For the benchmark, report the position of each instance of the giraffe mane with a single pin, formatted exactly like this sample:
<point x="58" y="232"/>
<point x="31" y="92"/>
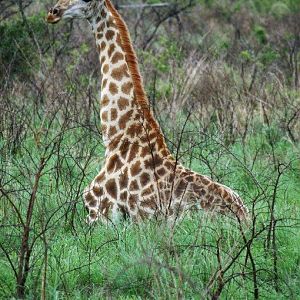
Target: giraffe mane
<point x="131" y="59"/>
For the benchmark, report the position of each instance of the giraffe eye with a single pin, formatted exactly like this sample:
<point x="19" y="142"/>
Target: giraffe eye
<point x="86" y="0"/>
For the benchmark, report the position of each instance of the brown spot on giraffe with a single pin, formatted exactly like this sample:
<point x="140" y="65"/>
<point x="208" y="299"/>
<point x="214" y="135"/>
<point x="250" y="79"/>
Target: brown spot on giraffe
<point x="111" y="49"/>
<point x="204" y="180"/>
<point x="113" y="144"/>
<point x="190" y="178"/>
<point x="224" y="194"/>
<point x="205" y="204"/>
<point x="111" y="188"/>
<point x="123" y="103"/>
<point x="104" y="82"/>
<point x="133" y="152"/>
<point x="161" y="172"/>
<point x="152" y="136"/>
<point x="105" y="206"/>
<point x="89" y="197"/>
<point x="109" y="35"/>
<point x="149" y="203"/>
<point x="93" y="203"/>
<point x="113" y="88"/>
<point x="157" y="160"/>
<point x="98" y="191"/>
<point x="202" y="192"/>
<point x="123" y="179"/>
<point x="100" y="178"/>
<point x="116" y="57"/>
<point x="120" y="72"/>
<point x="104" y="116"/>
<point x="127" y="87"/>
<point x="105" y="68"/>
<point x="133" y="199"/>
<point x="123" y="196"/>
<point x="98" y="19"/>
<point x="153" y="162"/>
<point x="90" y="200"/>
<point x="124" y="119"/>
<point x="135" y="168"/>
<point x="93" y="214"/>
<point x="180" y="189"/>
<point x="112" y="131"/>
<point x="103" y="14"/>
<point x="103" y="129"/>
<point x="211" y="186"/>
<point x="113" y="114"/>
<point x="134" y="186"/>
<point x="134" y="130"/>
<point x="114" y="163"/>
<point x="148" y="163"/>
<point x="161" y="145"/>
<point x="147" y="191"/>
<point x="105" y="100"/>
<point x="144" y="179"/>
<point x="170" y="166"/>
<point x="144" y="151"/>
<point x="124" y="147"/>
<point x="101" y="27"/>
<point x="102" y="46"/>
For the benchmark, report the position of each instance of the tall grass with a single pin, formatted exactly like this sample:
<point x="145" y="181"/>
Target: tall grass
<point x="201" y="257"/>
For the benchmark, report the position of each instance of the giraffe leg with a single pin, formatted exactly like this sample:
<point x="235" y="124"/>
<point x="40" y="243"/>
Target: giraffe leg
<point x="97" y="206"/>
<point x="195" y="190"/>
<point x="101" y="208"/>
<point x="218" y="198"/>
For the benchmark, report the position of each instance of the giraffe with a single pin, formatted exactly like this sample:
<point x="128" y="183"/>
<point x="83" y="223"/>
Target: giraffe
<point x="140" y="178"/>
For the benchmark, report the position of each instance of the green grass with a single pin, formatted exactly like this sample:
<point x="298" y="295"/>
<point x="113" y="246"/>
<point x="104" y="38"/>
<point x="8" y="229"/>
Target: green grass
<point x="149" y="260"/>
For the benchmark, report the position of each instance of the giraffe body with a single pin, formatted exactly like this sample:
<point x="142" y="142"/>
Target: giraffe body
<point x="140" y="178"/>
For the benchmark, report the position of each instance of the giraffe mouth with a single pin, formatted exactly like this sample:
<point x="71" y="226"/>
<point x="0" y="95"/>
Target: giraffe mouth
<point x="55" y="14"/>
<point x="52" y="19"/>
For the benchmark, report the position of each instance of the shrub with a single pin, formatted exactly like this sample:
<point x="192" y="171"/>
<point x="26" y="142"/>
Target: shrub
<point x="18" y="52"/>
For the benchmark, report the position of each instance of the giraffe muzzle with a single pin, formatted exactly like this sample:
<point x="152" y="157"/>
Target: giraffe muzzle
<point x="54" y="15"/>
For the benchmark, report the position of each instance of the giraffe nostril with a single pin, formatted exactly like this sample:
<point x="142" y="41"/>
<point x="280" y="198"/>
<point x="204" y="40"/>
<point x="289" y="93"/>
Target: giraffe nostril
<point x="55" y="11"/>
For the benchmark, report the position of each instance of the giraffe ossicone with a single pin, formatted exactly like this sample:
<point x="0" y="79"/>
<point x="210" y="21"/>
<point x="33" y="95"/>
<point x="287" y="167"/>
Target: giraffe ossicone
<point x="140" y="178"/>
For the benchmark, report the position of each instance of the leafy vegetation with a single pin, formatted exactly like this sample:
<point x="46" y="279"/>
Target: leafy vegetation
<point x="17" y="41"/>
<point x="223" y="80"/>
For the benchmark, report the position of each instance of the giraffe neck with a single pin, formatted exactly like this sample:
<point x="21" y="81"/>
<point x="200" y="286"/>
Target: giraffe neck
<point x="124" y="105"/>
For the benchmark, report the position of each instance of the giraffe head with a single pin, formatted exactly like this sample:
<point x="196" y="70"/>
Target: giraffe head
<point x="72" y="9"/>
